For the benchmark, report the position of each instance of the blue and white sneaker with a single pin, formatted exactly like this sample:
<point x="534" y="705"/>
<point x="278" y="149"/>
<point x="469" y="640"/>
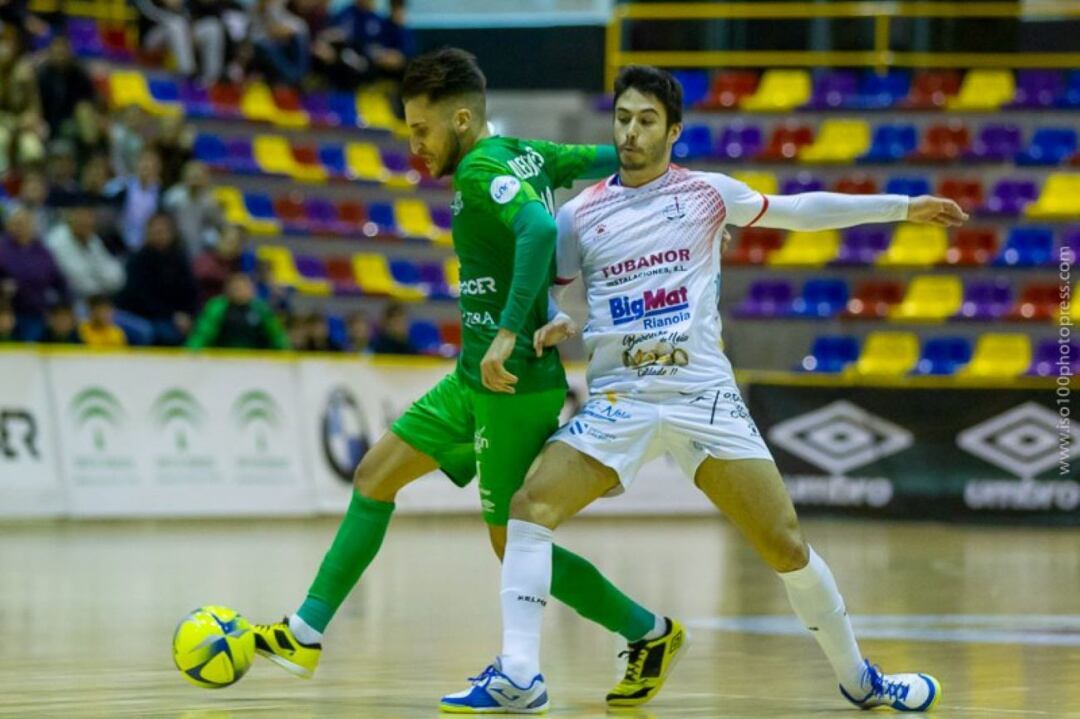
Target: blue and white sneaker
<point x="495" y="693"/>
<point x="902" y="692"/>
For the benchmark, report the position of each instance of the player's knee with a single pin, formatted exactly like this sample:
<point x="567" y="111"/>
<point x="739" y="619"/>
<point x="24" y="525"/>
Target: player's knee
<point x="789" y="551"/>
<point x="369" y="482"/>
<point x="530" y="506"/>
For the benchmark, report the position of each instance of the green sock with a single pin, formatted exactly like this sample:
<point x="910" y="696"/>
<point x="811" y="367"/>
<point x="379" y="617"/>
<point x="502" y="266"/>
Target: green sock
<point x="582" y="587"/>
<point x="356" y="544"/>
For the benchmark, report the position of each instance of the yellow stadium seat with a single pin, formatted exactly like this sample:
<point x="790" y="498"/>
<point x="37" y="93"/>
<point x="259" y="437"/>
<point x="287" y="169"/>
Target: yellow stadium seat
<point x="283" y="271"/>
<point x="274" y="155"/>
<point x="1060" y="197"/>
<point x="128" y="88"/>
<point x="984" y="90"/>
<point x="763" y="182"/>
<point x="931" y="297"/>
<point x="374" y="109"/>
<point x="779" y="90"/>
<point x="807" y="249"/>
<point x="365" y="163"/>
<point x="999" y="355"/>
<point x="414" y="218"/>
<point x="258" y="104"/>
<point x="915" y="246"/>
<point x="236" y="213"/>
<point x="452" y="273"/>
<point x="373" y="277"/>
<point x="888" y="353"/>
<point x="838" y="141"/>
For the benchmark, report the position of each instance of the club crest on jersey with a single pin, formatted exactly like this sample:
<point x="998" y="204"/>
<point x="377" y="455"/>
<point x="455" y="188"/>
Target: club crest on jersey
<point x="658" y="308"/>
<point x="457" y="205"/>
<point x="675" y="211"/>
<point x="504" y="188"/>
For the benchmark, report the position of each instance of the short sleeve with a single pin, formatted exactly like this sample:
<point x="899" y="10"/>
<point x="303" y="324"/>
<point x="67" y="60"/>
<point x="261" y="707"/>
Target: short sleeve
<point x="744" y="205"/>
<point x="567" y="248"/>
<point x="564" y="163"/>
<point x="488" y="184"/>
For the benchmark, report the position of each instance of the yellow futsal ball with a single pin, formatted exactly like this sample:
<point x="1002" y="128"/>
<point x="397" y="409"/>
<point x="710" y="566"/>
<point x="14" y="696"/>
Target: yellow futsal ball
<point x="213" y="647"/>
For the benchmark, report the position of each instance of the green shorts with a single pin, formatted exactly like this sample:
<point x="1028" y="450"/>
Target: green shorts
<point x="493" y="436"/>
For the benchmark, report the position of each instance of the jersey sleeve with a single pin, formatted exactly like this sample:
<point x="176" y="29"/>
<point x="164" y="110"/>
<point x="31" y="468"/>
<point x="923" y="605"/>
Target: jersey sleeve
<point x="486" y="182"/>
<point x="567" y="247"/>
<point x="744" y="205"/>
<point x="565" y="163"/>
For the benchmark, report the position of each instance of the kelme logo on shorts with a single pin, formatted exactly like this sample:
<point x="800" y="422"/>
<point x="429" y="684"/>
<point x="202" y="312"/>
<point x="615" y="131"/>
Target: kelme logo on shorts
<point x="504" y="188"/>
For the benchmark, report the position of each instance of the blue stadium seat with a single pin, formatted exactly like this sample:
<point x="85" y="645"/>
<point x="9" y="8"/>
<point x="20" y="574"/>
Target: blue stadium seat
<point x="912" y="186"/>
<point x="695" y="142"/>
<point x="821" y="298"/>
<point x="259" y="205"/>
<point x="943" y="356"/>
<point x="1049" y="146"/>
<point x="425" y="337"/>
<point x="382" y="214"/>
<point x="405" y="271"/>
<point x="164" y="90"/>
<point x="877" y="92"/>
<point x="695" y="85"/>
<point x="339" y="331"/>
<point x="211" y="150"/>
<point x="332" y="157"/>
<point x="831" y="353"/>
<point x="891" y="143"/>
<point x="343" y="104"/>
<point x="1029" y="246"/>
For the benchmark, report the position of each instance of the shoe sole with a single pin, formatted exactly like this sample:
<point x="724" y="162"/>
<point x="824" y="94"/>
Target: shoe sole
<point x="631" y="703"/>
<point x="456" y="709"/>
<point x="937" y="693"/>
<point x="292" y="668"/>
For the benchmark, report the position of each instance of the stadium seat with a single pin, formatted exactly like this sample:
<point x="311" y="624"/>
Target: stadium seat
<point x="966" y="192"/>
<point x="322" y="217"/>
<point x="1070" y="97"/>
<point x="211" y="150"/>
<point x="451" y="334"/>
<point x="165" y="91"/>
<point x="407" y="273"/>
<point x="739" y="142"/>
<point x="910" y="186"/>
<point x="1038" y="89"/>
<point x="1059" y="199"/>
<point x="803" y="182"/>
<point x="695" y="85"/>
<point x="332" y="158"/>
<point x="289" y="209"/>
<point x="943" y="142"/>
<point x="343" y="106"/>
<point x="452" y="273"/>
<point x="779" y="91"/>
<point x="943" y="356"/>
<point x="832" y="88"/>
<point x="858" y="184"/>
<point x="931" y="89"/>
<point x="317" y="107"/>
<point x="888" y="354"/>
<point x="364" y="162"/>
<point x="972" y="246"/>
<point x="414" y="219"/>
<point x="915" y="246"/>
<point x="999" y="355"/>
<point x="384" y="219"/>
<point x="821" y="299"/>
<point x="831" y="354"/>
<point x="195" y="100"/>
<point x="237" y="213"/>
<point x="240" y="157"/>
<point x="433" y="278"/>
<point x="312" y="271"/>
<point x="1027" y="246"/>
<point x="763" y="182"/>
<point x="874" y="299"/>
<point x="425" y="337"/>
<point x="373" y="110"/>
<point x="767" y="298"/>
<point x="401" y="172"/>
<point x="891" y="143"/>
<point x="988" y="300"/>
<point x="786" y="141"/>
<point x="930" y="298"/>
<point x="694" y="143"/>
<point x="807" y="249"/>
<point x="1048" y="355"/>
<point x="225" y="101"/>
<point x="839" y="141"/>
<point x="129" y="87"/>
<point x="1011" y="197"/>
<point x="1070" y="242"/>
<point x="85" y="38"/>
<point x="984" y="90"/>
<point x="995" y="143"/>
<point x="352" y="214"/>
<point x="339" y="272"/>
<point x="373" y="277"/>
<point x="729" y="88"/>
<point x="257" y="104"/>
<point x="1039" y="301"/>
<point x="753" y="246"/>
<point x="861" y="246"/>
<point x="283" y="271"/>
<point x="878" y="92"/>
<point x="1049" y="146"/>
<point x="274" y="156"/>
<point x="306" y="157"/>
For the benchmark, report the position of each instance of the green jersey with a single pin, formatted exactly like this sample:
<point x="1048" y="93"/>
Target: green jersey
<point x="494" y="181"/>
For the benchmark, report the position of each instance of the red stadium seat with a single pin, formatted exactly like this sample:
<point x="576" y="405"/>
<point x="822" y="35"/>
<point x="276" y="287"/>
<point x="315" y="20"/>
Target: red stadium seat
<point x="1038" y="301"/>
<point x="932" y="88"/>
<point x="967" y="193"/>
<point x="287" y="99"/>
<point x="874" y="299"/>
<point x="225" y="100"/>
<point x="339" y="270"/>
<point x="786" y="141"/>
<point x="753" y="246"/>
<point x="290" y="210"/>
<point x="943" y="143"/>
<point x="728" y="88"/>
<point x="973" y="246"/>
<point x="451" y="333"/>
<point x="857" y="185"/>
<point x="352" y="213"/>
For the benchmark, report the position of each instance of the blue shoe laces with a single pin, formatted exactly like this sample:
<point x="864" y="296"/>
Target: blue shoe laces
<point x="880" y="686"/>
<point x="489" y="672"/>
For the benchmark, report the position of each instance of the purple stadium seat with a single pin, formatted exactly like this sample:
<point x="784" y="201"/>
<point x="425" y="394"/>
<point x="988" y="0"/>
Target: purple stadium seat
<point x="821" y="298"/>
<point x="803" y="182"/>
<point x="832" y="88"/>
<point x="195" y="100"/>
<point x="1038" y="88"/>
<point x="317" y="106"/>
<point x="739" y="142"/>
<point x="1070" y="237"/>
<point x="322" y="217"/>
<point x="995" y="143"/>
<point x="241" y="158"/>
<point x="877" y="92"/>
<point x="1047" y="361"/>
<point x="830" y="353"/>
<point x="441" y="216"/>
<point x="311" y="268"/>
<point x="433" y="277"/>
<point x="862" y="245"/>
<point x="943" y="355"/>
<point x="85" y="37"/>
<point x="767" y="298"/>
<point x="1049" y="146"/>
<point x="988" y="300"/>
<point x="1010" y="197"/>
<point x="396" y="162"/>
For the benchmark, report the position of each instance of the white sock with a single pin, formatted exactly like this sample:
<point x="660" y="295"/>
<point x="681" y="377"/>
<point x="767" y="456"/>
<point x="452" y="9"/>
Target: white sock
<point x="526" y="583"/>
<point x="817" y="602"/>
<point x="303" y="631"/>
<point x="659" y="628"/>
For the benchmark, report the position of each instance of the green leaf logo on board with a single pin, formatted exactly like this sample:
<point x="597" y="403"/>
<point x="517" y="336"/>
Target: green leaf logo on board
<point x="96" y="410"/>
<point x="256" y="410"/>
<point x="177" y="408"/>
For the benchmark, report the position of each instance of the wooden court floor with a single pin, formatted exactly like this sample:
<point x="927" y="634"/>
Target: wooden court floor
<point x="87" y="611"/>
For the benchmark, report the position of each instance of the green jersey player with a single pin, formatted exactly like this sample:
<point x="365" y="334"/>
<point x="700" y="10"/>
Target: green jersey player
<point x="491" y="416"/>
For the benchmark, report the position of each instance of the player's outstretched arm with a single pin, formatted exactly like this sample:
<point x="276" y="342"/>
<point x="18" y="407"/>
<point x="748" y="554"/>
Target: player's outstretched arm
<point x="560" y="326"/>
<point x="833" y="211"/>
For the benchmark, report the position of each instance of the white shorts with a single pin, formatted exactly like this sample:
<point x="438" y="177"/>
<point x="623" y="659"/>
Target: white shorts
<point x="624" y="432"/>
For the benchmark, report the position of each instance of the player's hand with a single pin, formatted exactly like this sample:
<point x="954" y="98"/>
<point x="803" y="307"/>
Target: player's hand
<point x="725" y="241"/>
<point x="558" y="330"/>
<point x="492" y="373"/>
<point x="930" y="210"/>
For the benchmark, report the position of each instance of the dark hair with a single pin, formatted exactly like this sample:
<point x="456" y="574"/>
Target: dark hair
<point x="648" y="80"/>
<point x="392" y="310"/>
<point x="99" y="301"/>
<point x="439" y="74"/>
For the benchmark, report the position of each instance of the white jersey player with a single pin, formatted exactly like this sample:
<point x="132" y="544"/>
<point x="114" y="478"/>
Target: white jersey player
<point x="646" y="243"/>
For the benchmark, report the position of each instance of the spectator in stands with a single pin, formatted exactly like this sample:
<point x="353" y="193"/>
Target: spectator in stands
<point x="126" y="139"/>
<point x="297" y="330"/>
<point x="319" y="338"/>
<point x="238" y="319"/>
<point x="393" y="334"/>
<point x="7" y="321"/>
<point x="174" y="145"/>
<point x="87" y="266"/>
<point x="279" y="41"/>
<point x="60" y="327"/>
<point x="38" y="281"/>
<point x="93" y="182"/>
<point x="139" y="197"/>
<point x="63" y="84"/>
<point x="198" y="214"/>
<point x="359" y="332"/>
<point x="90" y="134"/>
<point x="171" y="23"/>
<point x="160" y="288"/>
<point x="342" y="51"/>
<point x="14" y="14"/>
<point x="22" y="129"/>
<point x="62" y="175"/>
<point x="214" y="265"/>
<point x="99" y="329"/>
<point x="33" y="191"/>
<point x="396" y="43"/>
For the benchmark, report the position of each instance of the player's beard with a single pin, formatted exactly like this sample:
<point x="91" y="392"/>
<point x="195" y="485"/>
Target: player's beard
<point x="453" y="157"/>
<point x="649" y="157"/>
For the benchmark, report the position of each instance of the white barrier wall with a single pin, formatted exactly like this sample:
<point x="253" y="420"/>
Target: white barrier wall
<point x="90" y="434"/>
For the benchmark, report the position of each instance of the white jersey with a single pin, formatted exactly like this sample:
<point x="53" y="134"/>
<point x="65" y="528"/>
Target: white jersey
<point x="650" y="259"/>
